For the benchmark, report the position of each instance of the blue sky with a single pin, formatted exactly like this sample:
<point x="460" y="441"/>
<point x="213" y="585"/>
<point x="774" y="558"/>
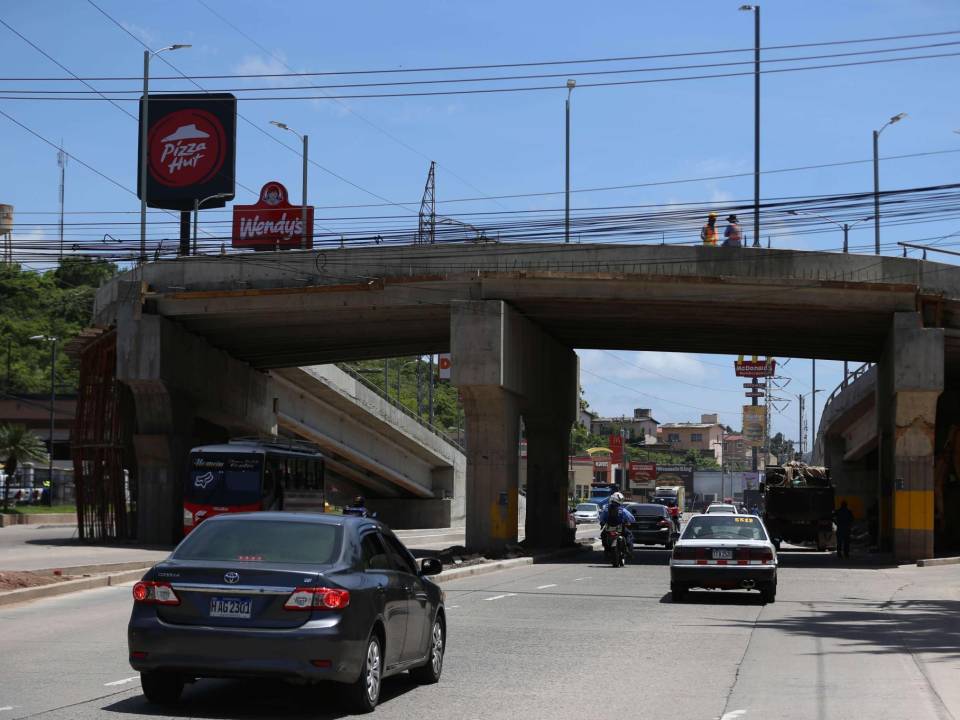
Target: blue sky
<point x="503" y="143"/>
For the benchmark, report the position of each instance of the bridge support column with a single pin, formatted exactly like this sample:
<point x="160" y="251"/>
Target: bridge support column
<point x="175" y="378"/>
<point x="504" y="365"/>
<point x="910" y="381"/>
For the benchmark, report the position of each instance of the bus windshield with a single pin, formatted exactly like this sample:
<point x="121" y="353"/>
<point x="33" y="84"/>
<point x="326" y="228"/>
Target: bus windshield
<point x="224" y="479"/>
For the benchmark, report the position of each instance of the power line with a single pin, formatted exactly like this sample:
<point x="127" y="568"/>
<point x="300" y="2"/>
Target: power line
<point x="493" y="66"/>
<point x="529" y="88"/>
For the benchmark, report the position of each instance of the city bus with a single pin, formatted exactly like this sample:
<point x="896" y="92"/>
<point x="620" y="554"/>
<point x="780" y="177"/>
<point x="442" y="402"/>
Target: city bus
<point x="246" y="475"/>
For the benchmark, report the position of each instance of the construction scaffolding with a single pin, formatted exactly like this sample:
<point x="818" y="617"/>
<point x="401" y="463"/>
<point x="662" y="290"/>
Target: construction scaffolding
<point x="106" y="500"/>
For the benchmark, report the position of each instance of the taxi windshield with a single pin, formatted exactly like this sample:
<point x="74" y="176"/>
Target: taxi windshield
<point x="724" y="527"/>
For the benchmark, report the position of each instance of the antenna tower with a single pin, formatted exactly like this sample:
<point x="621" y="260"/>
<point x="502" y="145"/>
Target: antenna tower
<point x="427" y="230"/>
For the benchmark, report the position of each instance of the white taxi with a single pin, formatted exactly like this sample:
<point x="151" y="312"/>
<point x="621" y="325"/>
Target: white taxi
<point x="727" y="552"/>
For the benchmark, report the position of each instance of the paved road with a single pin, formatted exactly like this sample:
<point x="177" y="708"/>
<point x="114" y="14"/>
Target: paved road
<point x="569" y="640"/>
<point x="26" y="547"/>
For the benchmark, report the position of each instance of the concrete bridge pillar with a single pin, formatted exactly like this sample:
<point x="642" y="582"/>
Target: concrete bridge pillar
<point x="506" y="365"/>
<point x="911" y="377"/>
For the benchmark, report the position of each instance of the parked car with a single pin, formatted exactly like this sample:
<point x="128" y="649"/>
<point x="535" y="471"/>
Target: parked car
<point x="721" y="508"/>
<point x="652" y="524"/>
<point x="724" y="551"/>
<point x="587" y="513"/>
<point x="305" y="597"/>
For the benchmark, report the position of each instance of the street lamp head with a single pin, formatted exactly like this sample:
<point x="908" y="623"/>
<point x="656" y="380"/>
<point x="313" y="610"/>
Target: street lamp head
<point x="747" y="8"/>
<point x="571" y="84"/>
<point x="38" y="337"/>
<point x="897" y="118"/>
<point x="282" y="126"/>
<point x="180" y="46"/>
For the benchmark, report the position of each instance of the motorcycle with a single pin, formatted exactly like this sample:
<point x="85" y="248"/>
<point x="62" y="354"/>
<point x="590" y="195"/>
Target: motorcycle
<point x="614" y="546"/>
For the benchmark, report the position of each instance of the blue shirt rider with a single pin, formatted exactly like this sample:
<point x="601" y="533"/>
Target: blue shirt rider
<point x="626" y="517"/>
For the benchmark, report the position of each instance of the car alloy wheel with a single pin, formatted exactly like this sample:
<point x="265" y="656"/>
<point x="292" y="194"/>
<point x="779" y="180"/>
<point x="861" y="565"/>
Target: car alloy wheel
<point x="436" y="651"/>
<point x="373" y="671"/>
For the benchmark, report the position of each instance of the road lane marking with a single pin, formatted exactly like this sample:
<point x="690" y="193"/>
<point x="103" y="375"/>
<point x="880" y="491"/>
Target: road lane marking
<point x="498" y="597"/>
<point x="544" y="587"/>
<point x="6" y="707"/>
<point x="733" y="714"/>
<point x="122" y="682"/>
<point x="451" y="607"/>
<point x="583" y="578"/>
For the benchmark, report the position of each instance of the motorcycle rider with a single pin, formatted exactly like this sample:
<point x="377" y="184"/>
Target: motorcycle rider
<point x="614" y="515"/>
<point x="359" y="507"/>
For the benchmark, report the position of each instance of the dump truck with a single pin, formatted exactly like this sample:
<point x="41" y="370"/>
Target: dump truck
<point x="798" y="503"/>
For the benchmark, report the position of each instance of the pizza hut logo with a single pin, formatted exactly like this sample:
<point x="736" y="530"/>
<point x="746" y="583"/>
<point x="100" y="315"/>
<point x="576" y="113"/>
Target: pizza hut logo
<point x="187" y="147"/>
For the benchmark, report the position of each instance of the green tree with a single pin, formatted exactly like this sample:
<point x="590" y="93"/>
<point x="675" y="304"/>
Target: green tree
<point x="781" y="448"/>
<point x="581" y="438"/>
<point x="18" y="445"/>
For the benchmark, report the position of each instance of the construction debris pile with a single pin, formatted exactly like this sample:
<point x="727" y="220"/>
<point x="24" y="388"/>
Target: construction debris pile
<point x="797" y="474"/>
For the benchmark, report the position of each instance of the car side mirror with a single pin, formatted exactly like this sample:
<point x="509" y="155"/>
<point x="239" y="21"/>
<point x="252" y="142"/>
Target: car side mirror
<point x="431" y="566"/>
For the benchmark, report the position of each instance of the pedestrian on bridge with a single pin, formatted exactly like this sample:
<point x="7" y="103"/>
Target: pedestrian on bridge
<point x="709" y="232"/>
<point x="732" y="237"/>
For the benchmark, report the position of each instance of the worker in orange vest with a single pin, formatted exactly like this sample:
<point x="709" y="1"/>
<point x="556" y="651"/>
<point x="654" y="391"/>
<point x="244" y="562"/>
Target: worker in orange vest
<point x="709" y="232"/>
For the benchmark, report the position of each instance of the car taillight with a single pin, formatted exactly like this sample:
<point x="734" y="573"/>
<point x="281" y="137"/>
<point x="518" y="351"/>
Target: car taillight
<point x="319" y="598"/>
<point x="154" y="593"/>
<point x="764" y="554"/>
<point x="663" y="523"/>
<point x="187" y="518"/>
<point x="684" y="553"/>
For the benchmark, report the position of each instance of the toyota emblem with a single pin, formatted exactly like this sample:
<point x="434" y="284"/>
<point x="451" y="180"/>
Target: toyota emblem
<point x="232" y="577"/>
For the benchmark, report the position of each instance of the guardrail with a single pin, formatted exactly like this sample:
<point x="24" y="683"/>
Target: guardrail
<point x="399" y="406"/>
<point x="847" y="381"/>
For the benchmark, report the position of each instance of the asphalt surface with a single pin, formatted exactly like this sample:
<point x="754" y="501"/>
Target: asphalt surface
<point x="27" y="547"/>
<point x="576" y="639"/>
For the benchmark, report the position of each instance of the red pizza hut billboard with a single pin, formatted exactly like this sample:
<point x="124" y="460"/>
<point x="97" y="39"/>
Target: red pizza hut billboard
<point x="191" y="149"/>
<point x="272" y="223"/>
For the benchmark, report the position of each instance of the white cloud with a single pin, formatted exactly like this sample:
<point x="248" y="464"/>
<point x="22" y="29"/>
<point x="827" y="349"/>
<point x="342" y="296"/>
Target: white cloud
<point x="259" y="65"/>
<point x="642" y="366"/>
<point x="140" y="32"/>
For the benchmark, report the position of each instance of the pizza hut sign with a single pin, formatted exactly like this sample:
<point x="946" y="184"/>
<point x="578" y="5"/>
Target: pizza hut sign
<point x="191" y="149"/>
<point x="272" y="223"/>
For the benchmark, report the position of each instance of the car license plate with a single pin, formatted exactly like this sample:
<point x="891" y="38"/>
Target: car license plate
<point x="723" y="554"/>
<point x="225" y="607"/>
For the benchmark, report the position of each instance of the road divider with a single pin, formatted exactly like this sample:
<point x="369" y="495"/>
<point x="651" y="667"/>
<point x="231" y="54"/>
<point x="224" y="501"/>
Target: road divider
<point x="112" y="575"/>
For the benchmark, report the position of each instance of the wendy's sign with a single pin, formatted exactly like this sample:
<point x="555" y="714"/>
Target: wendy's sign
<point x="191" y="149"/>
<point x="272" y="223"/>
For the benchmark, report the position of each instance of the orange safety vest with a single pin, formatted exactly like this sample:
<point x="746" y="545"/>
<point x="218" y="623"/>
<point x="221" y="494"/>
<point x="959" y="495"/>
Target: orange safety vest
<point x="709" y="234"/>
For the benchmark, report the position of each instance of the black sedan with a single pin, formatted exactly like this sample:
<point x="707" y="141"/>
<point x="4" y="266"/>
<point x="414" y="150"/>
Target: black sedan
<point x="301" y="597"/>
<point x="652" y="525"/>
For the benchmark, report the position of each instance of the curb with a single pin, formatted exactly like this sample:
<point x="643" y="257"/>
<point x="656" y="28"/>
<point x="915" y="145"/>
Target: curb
<point x="15" y="519"/>
<point x="484" y="568"/>
<point x="931" y="562"/>
<point x="70" y="586"/>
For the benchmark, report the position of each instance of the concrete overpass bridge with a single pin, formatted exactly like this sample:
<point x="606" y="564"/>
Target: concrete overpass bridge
<point x="511" y="315"/>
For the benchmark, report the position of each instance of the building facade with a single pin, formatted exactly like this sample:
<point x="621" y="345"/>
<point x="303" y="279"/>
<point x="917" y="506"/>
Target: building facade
<point x="705" y="436"/>
<point x="640" y="427"/>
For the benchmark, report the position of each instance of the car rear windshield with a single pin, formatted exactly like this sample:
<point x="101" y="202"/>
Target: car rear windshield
<point x="586" y="507"/>
<point x="724" y="527"/>
<point x="647" y="510"/>
<point x="271" y="541"/>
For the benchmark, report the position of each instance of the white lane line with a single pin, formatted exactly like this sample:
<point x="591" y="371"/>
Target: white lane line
<point x="499" y="597"/>
<point x="733" y="714"/>
<point x="583" y="578"/>
<point x="122" y="682"/>
<point x="544" y="587"/>
<point x="6" y="707"/>
<point x="451" y="607"/>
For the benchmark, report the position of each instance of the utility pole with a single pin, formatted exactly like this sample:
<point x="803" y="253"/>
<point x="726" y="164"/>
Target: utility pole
<point x="813" y="402"/>
<point x="62" y="163"/>
<point x="571" y="84"/>
<point x="430" y="392"/>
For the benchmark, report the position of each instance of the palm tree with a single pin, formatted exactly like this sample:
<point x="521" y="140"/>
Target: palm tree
<point x="18" y="445"/>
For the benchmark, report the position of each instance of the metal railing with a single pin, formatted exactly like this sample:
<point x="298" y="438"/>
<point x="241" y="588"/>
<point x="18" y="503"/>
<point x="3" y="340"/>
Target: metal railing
<point x="847" y="381"/>
<point x="398" y="405"/>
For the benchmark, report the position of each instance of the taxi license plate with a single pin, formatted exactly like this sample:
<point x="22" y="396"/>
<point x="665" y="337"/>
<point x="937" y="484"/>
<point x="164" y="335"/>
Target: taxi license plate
<point x="230" y="607"/>
<point x="723" y="554"/>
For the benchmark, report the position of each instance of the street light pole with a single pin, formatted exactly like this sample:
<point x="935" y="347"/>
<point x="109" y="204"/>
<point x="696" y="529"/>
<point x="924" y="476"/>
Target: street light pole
<point x="305" y="140"/>
<point x="876" y="179"/>
<point x="53" y="398"/>
<point x="571" y="84"/>
<point x="197" y="204"/>
<point x="144" y="121"/>
<point x="756" y="120"/>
